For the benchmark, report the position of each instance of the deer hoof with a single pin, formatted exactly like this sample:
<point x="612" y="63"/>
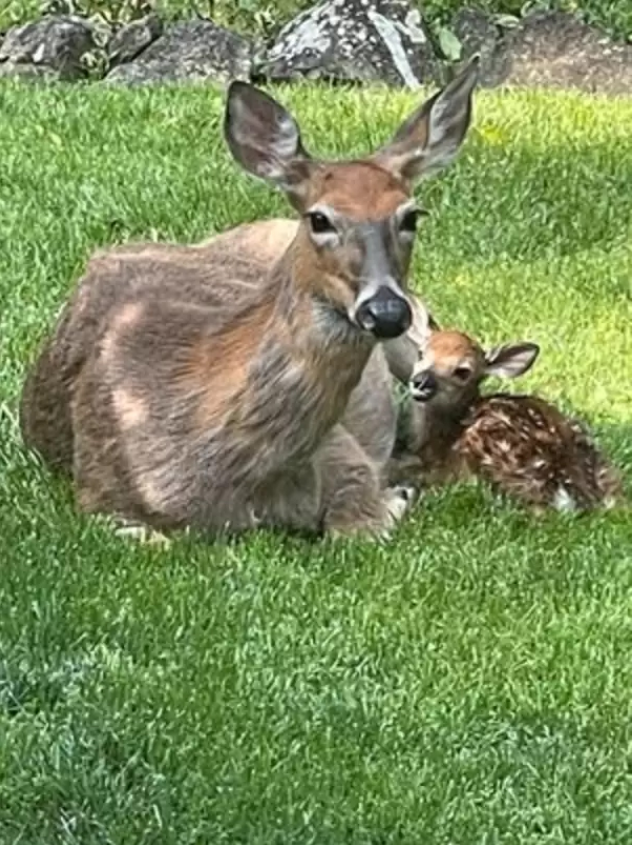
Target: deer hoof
<point x="398" y="500"/>
<point x="129" y="530"/>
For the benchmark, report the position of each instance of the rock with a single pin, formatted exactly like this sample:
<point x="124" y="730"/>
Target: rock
<point x="28" y="71"/>
<point x="555" y="49"/>
<point x="194" y="50"/>
<point x="354" y="40"/>
<point x="133" y="38"/>
<point x="52" y="47"/>
<point x="549" y="50"/>
<point x="478" y="33"/>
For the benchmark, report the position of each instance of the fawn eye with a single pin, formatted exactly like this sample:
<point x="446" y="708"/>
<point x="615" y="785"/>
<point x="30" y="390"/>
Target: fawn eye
<point x="462" y="373"/>
<point x="320" y="223"/>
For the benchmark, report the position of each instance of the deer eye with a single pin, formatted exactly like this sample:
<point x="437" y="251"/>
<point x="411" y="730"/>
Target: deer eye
<point x="320" y="223"/>
<point x="409" y="221"/>
<point x="462" y="373"/>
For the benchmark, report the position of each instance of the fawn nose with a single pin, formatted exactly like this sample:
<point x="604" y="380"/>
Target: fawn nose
<point x="385" y="314"/>
<point x="423" y="386"/>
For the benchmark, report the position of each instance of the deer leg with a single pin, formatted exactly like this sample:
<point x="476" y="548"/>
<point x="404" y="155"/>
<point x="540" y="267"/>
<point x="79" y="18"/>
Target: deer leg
<point x="354" y="500"/>
<point x="136" y="531"/>
<point x="102" y="486"/>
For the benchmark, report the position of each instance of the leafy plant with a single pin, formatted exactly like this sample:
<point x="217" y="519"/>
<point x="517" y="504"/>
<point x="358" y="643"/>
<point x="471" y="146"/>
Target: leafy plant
<point x="450" y="45"/>
<point x="111" y="12"/>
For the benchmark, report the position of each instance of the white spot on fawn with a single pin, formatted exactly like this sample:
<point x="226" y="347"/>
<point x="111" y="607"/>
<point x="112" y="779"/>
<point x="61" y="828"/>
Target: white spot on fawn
<point x="563" y="501"/>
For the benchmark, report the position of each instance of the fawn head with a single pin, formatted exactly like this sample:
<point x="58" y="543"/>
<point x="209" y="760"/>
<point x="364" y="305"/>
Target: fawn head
<point x="452" y="365"/>
<point x="358" y="219"/>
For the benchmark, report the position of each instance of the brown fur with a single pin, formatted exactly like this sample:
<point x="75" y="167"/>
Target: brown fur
<point x="522" y="445"/>
<point x="527" y="448"/>
<point x="46" y="395"/>
<point x="207" y="385"/>
<point x="361" y="190"/>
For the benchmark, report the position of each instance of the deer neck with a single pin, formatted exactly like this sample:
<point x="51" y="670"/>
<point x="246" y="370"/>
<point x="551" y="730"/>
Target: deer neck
<point x="317" y="330"/>
<point x="295" y="362"/>
<point x="435" y="430"/>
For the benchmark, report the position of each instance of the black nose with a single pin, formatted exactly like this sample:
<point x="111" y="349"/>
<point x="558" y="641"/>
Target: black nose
<point x="423" y="386"/>
<point x="385" y="315"/>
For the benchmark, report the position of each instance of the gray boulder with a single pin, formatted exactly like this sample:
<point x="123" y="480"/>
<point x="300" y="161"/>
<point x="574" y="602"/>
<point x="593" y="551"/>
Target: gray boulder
<point x="478" y="33"/>
<point x="549" y="50"/>
<point x="52" y="47"/>
<point x="193" y="50"/>
<point x="131" y="39"/>
<point x="354" y="40"/>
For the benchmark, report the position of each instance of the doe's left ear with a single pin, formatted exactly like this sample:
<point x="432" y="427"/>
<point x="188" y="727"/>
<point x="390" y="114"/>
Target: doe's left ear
<point x="511" y="360"/>
<point x="431" y="137"/>
<point x="423" y="323"/>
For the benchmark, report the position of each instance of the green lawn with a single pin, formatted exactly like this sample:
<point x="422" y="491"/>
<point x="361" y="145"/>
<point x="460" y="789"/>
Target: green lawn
<point x="470" y="683"/>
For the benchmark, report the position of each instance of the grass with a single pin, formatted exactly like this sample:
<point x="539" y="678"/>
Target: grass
<point x="470" y="682"/>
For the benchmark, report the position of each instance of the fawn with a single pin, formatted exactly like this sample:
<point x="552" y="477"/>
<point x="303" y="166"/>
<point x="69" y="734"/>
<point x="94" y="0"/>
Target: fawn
<point x="191" y="386"/>
<point x="522" y="445"/>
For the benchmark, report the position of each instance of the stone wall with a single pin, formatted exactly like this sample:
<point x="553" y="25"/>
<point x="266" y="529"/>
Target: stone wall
<point x="350" y="41"/>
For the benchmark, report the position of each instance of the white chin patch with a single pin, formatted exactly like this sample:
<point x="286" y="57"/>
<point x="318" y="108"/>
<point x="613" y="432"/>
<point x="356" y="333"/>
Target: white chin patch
<point x="420" y="395"/>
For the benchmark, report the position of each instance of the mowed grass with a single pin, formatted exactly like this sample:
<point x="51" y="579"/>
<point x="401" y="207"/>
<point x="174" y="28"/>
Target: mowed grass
<point x="469" y="683"/>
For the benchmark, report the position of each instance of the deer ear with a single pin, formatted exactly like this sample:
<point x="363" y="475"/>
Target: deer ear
<point x="431" y="137"/>
<point x="511" y="360"/>
<point x="264" y="138"/>
<point x="423" y="323"/>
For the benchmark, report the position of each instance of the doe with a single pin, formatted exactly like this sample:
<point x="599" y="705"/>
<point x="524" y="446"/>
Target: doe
<point x="178" y="392"/>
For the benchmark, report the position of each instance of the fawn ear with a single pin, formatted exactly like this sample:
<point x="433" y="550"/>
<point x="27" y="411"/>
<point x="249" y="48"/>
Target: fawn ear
<point x="431" y="137"/>
<point x="511" y="360"/>
<point x="423" y="323"/>
<point x="264" y="138"/>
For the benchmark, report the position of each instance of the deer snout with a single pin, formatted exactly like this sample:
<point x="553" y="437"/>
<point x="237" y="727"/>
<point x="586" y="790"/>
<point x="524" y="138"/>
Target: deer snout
<point x="423" y="386"/>
<point x="386" y="314"/>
